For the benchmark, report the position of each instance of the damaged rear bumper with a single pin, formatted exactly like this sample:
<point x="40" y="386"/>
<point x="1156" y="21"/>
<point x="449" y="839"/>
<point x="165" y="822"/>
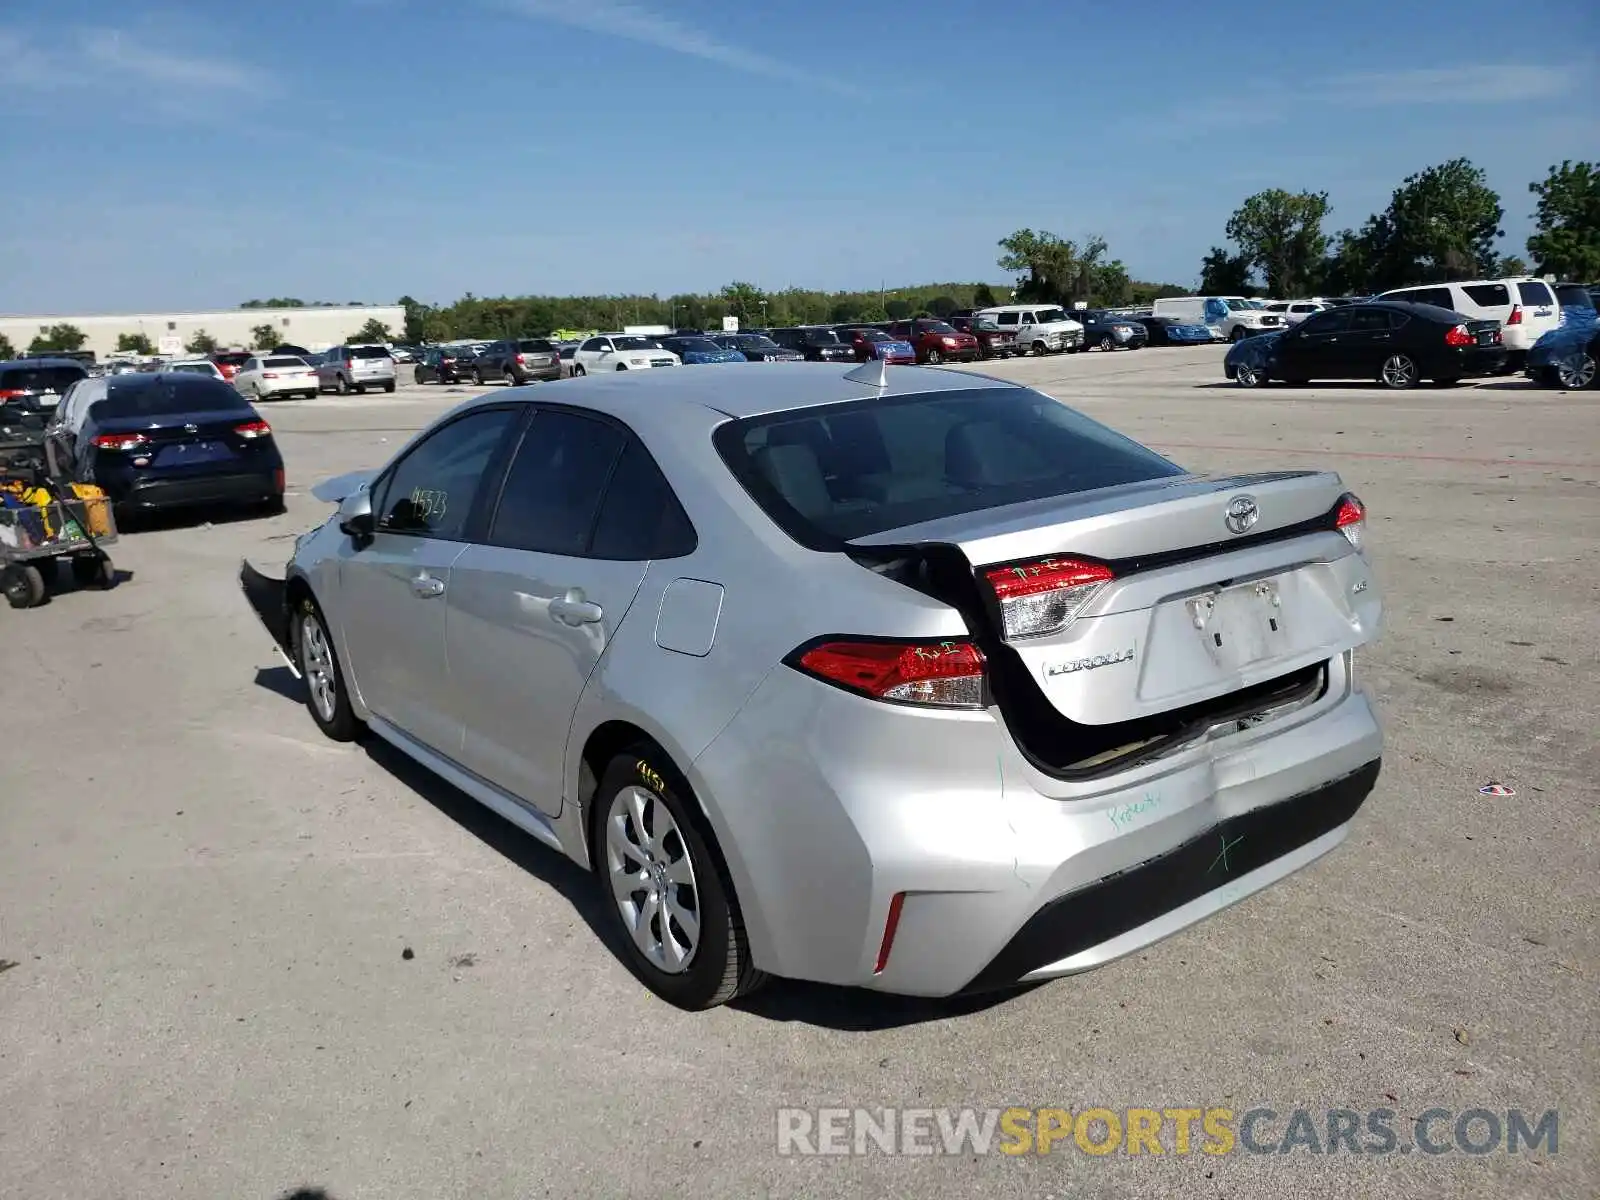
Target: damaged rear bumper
<point x="269" y="599"/>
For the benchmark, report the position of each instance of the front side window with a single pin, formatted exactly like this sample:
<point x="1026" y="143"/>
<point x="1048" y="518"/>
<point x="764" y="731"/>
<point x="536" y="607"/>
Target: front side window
<point x="431" y="491"/>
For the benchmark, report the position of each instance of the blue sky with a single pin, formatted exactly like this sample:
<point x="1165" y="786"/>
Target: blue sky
<point x="196" y="154"/>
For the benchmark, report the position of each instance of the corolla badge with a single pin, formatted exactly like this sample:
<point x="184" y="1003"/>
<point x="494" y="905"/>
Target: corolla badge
<point x="1088" y="664"/>
<point x="1242" y="514"/>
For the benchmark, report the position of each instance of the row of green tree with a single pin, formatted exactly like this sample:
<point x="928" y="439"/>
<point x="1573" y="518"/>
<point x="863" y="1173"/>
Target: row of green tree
<point x="1441" y="224"/>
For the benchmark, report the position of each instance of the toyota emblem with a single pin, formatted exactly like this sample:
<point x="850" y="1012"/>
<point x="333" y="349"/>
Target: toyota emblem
<point x="1242" y="514"/>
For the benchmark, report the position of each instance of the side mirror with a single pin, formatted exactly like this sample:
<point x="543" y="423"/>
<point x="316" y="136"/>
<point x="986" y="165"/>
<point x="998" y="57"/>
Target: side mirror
<point x="355" y="515"/>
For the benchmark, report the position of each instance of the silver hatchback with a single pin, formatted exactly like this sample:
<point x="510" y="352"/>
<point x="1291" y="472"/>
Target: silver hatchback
<point x="895" y="677"/>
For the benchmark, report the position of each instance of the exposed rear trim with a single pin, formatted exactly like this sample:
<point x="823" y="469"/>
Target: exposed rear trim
<point x="1104" y="910"/>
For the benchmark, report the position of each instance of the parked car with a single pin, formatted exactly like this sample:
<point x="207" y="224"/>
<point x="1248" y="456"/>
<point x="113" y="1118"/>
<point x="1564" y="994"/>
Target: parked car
<point x="36" y="385"/>
<point x="1398" y="344"/>
<point x="1295" y="311"/>
<point x="402" y="353"/>
<point x="992" y="620"/>
<point x="1577" y="304"/>
<point x="439" y="364"/>
<point x="297" y="351"/>
<point x="1170" y="331"/>
<point x="1111" y="331"/>
<point x="993" y="342"/>
<point x="621" y="352"/>
<point x="518" y="361"/>
<point x="757" y="347"/>
<point x="695" y="349"/>
<point x="1566" y="357"/>
<point x="1040" y="328"/>
<point x="568" y="358"/>
<point x="936" y="341"/>
<point x="1525" y="308"/>
<point x="1230" y="318"/>
<point x="196" y="366"/>
<point x="347" y="369"/>
<point x="273" y="376"/>
<point x="816" y="342"/>
<point x="229" y="361"/>
<point x="868" y="343"/>
<point x="170" y="440"/>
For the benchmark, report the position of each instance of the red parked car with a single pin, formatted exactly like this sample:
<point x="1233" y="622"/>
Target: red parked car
<point x="872" y="344"/>
<point x="229" y="362"/>
<point x="936" y="341"/>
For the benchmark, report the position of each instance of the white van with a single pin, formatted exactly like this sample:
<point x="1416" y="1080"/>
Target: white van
<point x="1525" y="307"/>
<point x="1041" y="328"/>
<point x="1230" y="318"/>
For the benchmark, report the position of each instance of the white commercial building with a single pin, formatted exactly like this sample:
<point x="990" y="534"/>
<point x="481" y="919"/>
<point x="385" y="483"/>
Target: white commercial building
<point x="232" y="328"/>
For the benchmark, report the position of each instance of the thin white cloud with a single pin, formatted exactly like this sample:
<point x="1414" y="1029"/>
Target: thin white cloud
<point x="1481" y="83"/>
<point x="635" y="23"/>
<point x="118" y="51"/>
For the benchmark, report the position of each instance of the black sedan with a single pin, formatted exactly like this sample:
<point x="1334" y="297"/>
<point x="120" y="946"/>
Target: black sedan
<point x="1395" y="343"/>
<point x="757" y="347"/>
<point x="165" y="441"/>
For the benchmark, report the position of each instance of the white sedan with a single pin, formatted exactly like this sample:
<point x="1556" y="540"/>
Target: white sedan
<point x="267" y="378"/>
<point x="196" y="366"/>
<point x="621" y="352"/>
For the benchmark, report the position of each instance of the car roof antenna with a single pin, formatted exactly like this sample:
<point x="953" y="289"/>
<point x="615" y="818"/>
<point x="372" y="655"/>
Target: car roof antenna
<point x="873" y="373"/>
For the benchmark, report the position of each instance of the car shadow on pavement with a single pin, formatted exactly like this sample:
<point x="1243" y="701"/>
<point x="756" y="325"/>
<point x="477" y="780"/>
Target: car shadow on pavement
<point x="856" y="1010"/>
<point x="281" y="682"/>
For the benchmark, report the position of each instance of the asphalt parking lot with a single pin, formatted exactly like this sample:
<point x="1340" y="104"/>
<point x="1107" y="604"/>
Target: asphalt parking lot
<point x="205" y="908"/>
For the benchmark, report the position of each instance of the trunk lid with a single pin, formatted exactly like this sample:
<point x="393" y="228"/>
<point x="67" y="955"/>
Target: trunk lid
<point x="1216" y="584"/>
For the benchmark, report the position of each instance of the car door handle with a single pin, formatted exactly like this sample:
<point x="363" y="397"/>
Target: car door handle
<point x="426" y="586"/>
<point x="573" y="609"/>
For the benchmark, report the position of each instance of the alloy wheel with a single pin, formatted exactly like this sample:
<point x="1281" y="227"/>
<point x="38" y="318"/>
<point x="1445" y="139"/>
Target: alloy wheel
<point x="1399" y="371"/>
<point x="1577" y="372"/>
<point x="1247" y="376"/>
<point x="1106" y="343"/>
<point x="653" y="879"/>
<point x="317" y="663"/>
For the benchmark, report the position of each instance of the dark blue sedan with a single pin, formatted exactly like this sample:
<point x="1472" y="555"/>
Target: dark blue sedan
<point x="177" y="441"/>
<point x="1170" y="331"/>
<point x="694" y="349"/>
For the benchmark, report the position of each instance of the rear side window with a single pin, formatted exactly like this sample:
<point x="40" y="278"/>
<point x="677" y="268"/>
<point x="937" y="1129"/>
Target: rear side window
<point x="829" y="474"/>
<point x="1488" y="295"/>
<point x="640" y="516"/>
<point x="1534" y="292"/>
<point x="1008" y="318"/>
<point x="553" y="489"/>
<point x="1368" y="320"/>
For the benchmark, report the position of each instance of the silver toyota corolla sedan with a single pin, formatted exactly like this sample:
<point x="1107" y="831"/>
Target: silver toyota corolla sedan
<point x="901" y="678"/>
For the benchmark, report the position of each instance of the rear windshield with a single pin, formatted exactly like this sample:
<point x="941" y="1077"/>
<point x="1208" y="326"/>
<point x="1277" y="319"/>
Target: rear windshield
<point x="368" y="352"/>
<point x="284" y="362"/>
<point x="151" y="398"/>
<point x="39" y="379"/>
<point x="695" y="345"/>
<point x="869" y="335"/>
<point x="754" y="341"/>
<point x="194" y="369"/>
<point x="1572" y="296"/>
<point x="845" y="471"/>
<point x="537" y="345"/>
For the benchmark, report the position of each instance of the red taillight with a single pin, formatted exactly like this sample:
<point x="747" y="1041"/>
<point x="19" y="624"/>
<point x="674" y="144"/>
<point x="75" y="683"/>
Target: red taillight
<point x="269" y="374"/>
<point x="890" y="926"/>
<point x="11" y="393"/>
<point x="522" y="358"/>
<point x="1516" y="315"/>
<point x="1351" y="519"/>
<point x="1045" y="596"/>
<point x="253" y="429"/>
<point x="277" y="481"/>
<point x="941" y="674"/>
<point x="1460" y="336"/>
<point x="120" y="441"/>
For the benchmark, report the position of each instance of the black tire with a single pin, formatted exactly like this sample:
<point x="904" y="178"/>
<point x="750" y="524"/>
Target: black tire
<point x="1238" y="334"/>
<point x="1577" y="374"/>
<point x="342" y="386"/>
<point x="361" y="389"/>
<point x="23" y="585"/>
<point x="578" y="372"/>
<point x="389" y="387"/>
<point x="511" y="378"/>
<point x="1105" y="342"/>
<point x="721" y="967"/>
<point x="1074" y="347"/>
<point x="93" y="570"/>
<point x="1039" y="350"/>
<point x="477" y="377"/>
<point x="341" y="724"/>
<point x="934" y="358"/>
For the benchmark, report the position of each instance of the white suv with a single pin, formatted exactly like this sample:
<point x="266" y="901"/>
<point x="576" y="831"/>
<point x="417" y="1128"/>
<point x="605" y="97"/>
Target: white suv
<point x="621" y="352"/>
<point x="1041" y="328"/>
<point x="1525" y="307"/>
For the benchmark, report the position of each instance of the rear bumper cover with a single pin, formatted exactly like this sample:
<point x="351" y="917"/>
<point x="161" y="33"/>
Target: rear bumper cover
<point x="242" y="487"/>
<point x="1059" y="938"/>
